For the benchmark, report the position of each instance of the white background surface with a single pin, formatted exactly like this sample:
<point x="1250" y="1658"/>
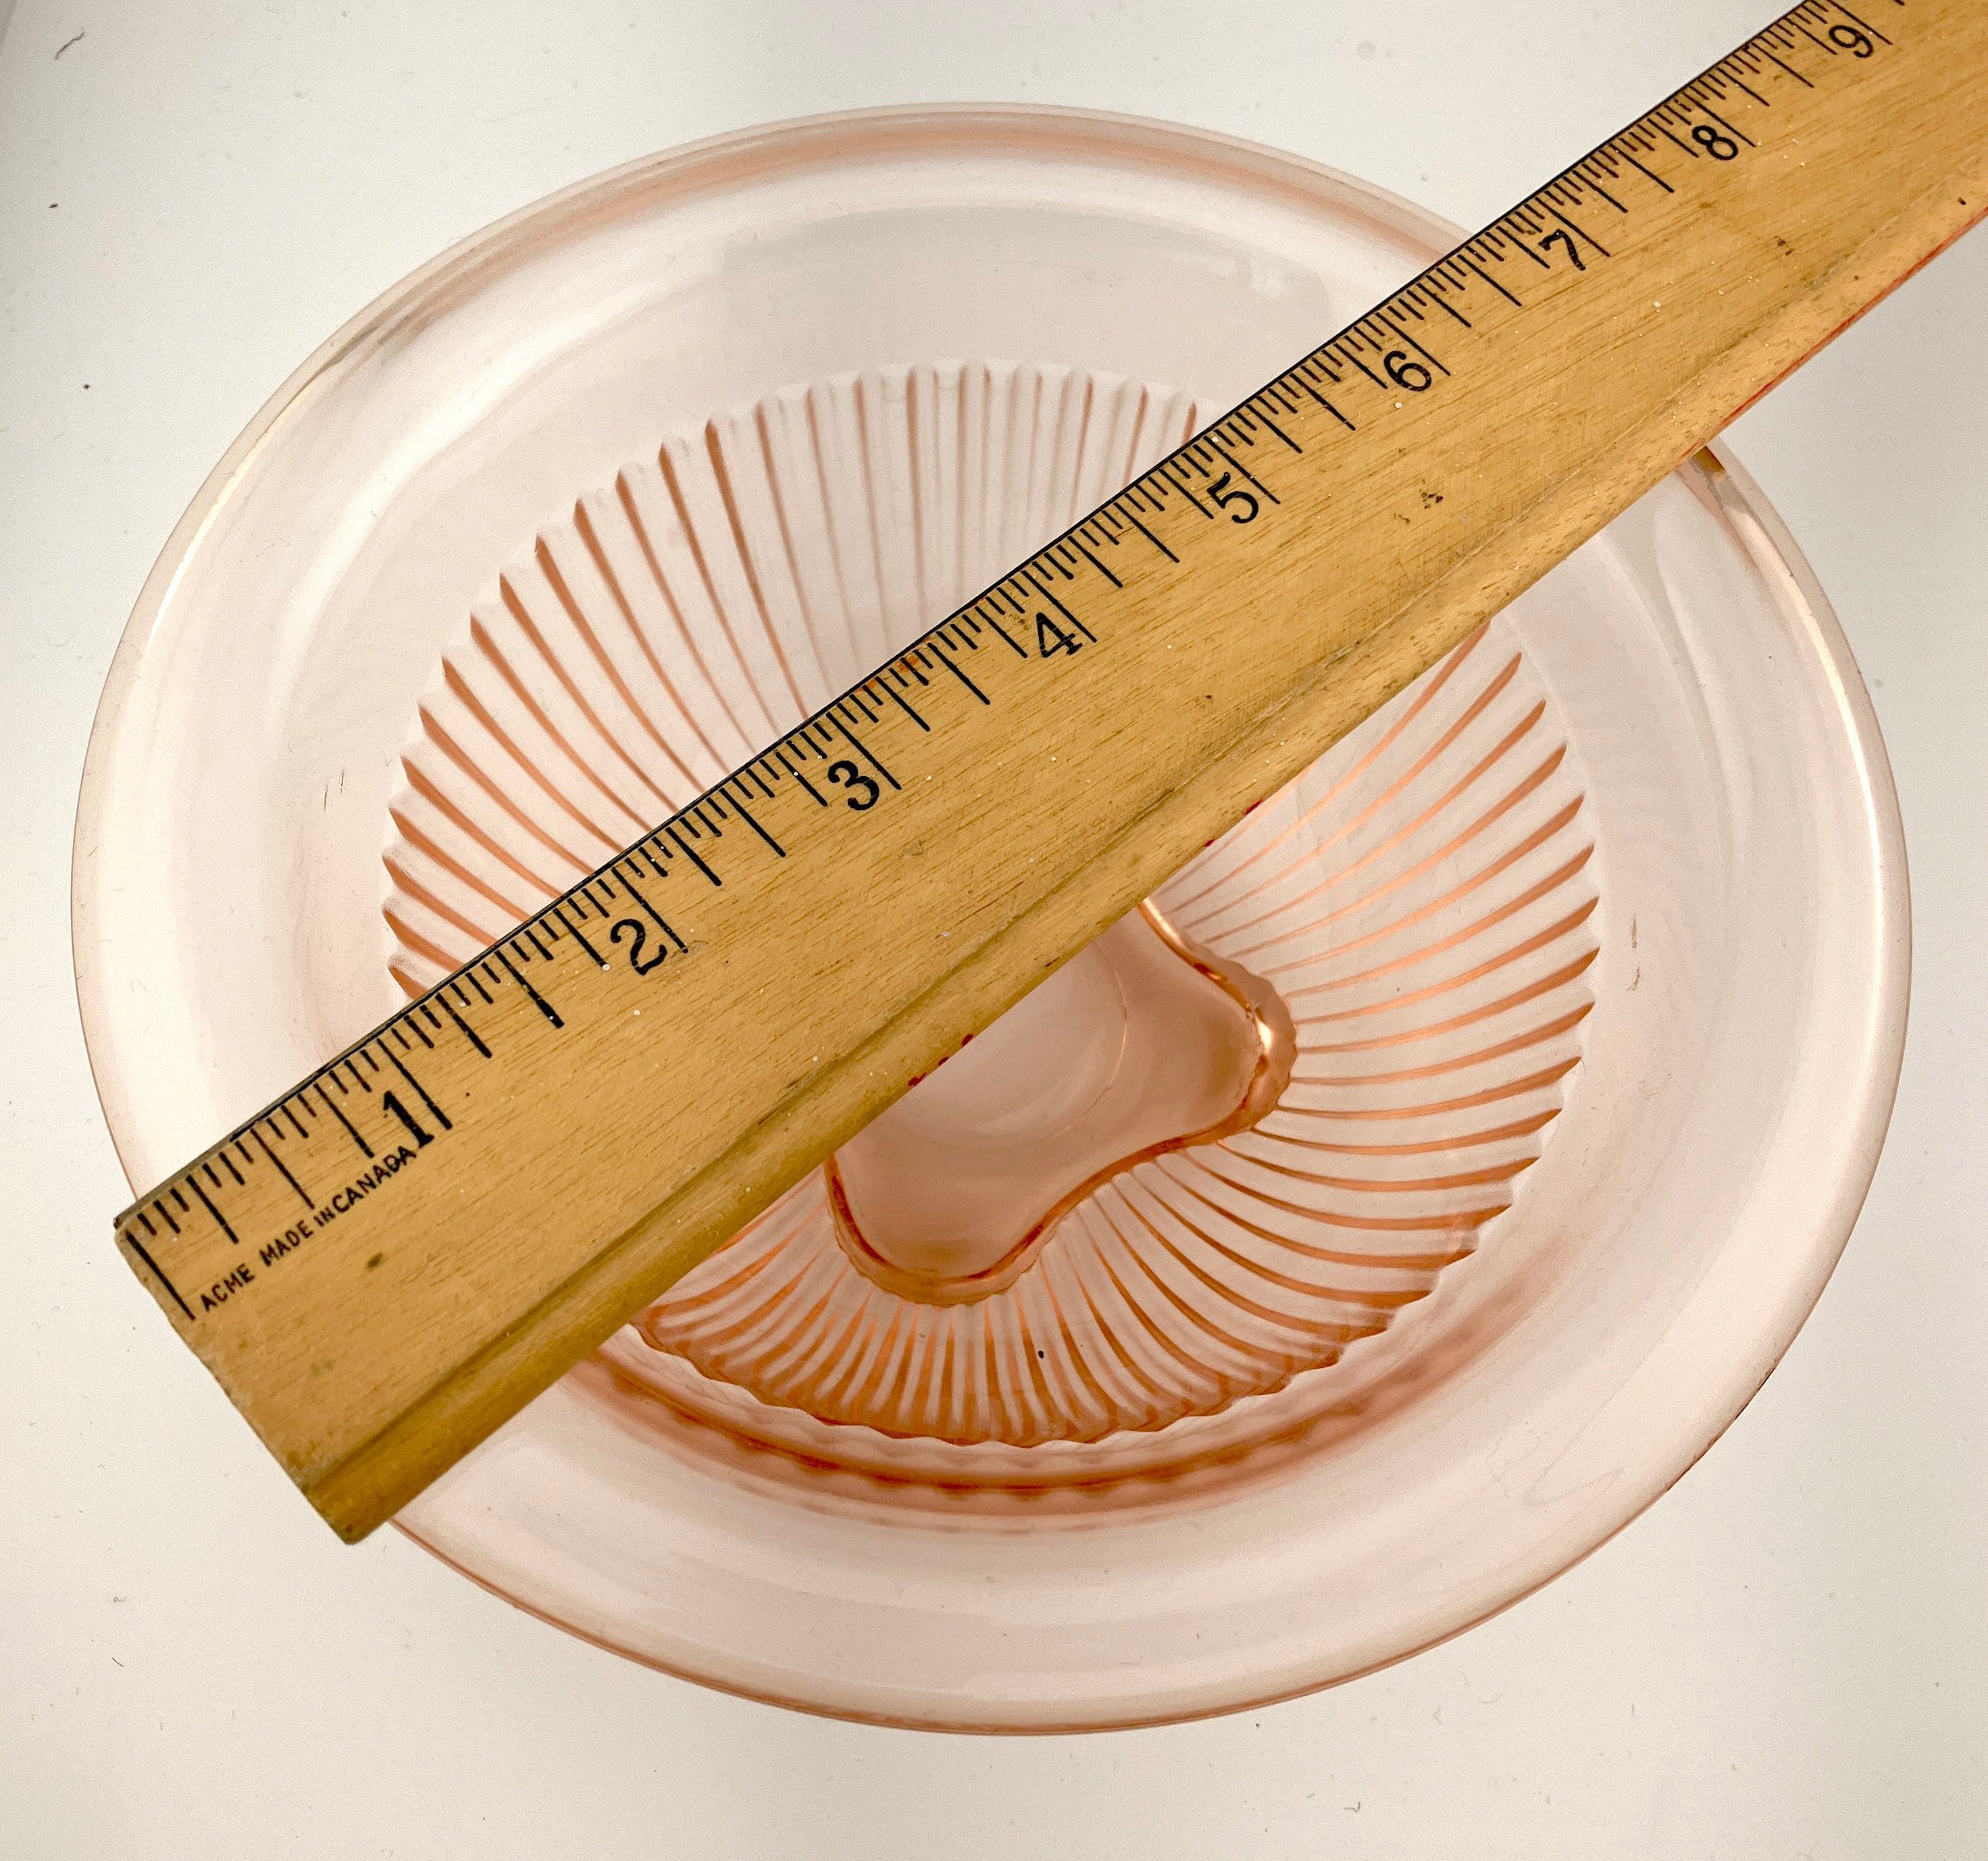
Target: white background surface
<point x="1788" y="1657"/>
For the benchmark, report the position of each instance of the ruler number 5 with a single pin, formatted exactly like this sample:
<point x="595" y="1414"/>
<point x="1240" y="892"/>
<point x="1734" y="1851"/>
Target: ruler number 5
<point x="847" y="775"/>
<point x="1241" y="505"/>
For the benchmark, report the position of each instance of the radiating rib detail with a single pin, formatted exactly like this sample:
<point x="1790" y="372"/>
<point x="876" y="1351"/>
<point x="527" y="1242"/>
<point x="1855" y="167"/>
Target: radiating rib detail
<point x="1421" y="899"/>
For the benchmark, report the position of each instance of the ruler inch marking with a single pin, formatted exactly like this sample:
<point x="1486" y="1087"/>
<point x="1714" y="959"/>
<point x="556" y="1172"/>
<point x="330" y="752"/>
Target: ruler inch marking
<point x="468" y="1033"/>
<point x="684" y="848"/>
<point x="1235" y="465"/>
<point x="441" y="1117"/>
<point x="545" y="1008"/>
<point x="1048" y="596"/>
<point x="574" y="930"/>
<point x="220" y="1219"/>
<point x="263" y="1146"/>
<point x="959" y="673"/>
<point x="138" y="1247"/>
<point x="857" y="744"/>
<point x="1863" y="25"/>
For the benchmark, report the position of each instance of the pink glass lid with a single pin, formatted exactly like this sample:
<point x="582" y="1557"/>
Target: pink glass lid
<point x="1342" y="1246"/>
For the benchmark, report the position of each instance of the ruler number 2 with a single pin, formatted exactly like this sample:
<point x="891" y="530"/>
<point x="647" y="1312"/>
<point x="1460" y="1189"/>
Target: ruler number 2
<point x="641" y="936"/>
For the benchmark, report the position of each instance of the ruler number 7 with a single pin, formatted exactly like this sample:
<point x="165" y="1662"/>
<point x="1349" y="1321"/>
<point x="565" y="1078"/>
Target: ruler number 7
<point x="1557" y="236"/>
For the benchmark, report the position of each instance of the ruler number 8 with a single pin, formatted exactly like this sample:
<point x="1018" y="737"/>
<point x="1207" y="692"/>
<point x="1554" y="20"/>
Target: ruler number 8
<point x="847" y="775"/>
<point x="1720" y="148"/>
<point x="1852" y="41"/>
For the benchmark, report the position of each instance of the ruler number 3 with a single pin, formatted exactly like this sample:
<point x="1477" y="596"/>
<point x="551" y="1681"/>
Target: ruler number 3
<point x="847" y="775"/>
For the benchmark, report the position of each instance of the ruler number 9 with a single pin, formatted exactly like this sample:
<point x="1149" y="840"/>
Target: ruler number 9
<point x="1406" y="374"/>
<point x="1851" y="41"/>
<point x="845" y="774"/>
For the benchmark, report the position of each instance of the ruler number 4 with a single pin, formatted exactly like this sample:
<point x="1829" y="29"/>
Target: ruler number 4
<point x="1052" y="639"/>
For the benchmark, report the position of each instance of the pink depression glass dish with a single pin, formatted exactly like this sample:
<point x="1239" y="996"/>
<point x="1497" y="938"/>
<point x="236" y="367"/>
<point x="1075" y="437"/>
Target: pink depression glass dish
<point x="1346" y="1244"/>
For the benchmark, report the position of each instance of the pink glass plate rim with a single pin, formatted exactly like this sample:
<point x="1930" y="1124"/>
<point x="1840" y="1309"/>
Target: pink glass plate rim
<point x="464" y="268"/>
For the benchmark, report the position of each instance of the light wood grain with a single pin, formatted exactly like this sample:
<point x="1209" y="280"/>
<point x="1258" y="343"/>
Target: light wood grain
<point x="374" y="1315"/>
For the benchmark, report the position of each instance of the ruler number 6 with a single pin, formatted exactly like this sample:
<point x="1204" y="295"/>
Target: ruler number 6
<point x="1405" y="373"/>
<point x="1241" y="505"/>
<point x="1851" y="41"/>
<point x="847" y="775"/>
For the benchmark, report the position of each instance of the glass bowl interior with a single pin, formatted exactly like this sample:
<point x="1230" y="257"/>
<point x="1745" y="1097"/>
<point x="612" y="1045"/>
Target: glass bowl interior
<point x="1342" y="1247"/>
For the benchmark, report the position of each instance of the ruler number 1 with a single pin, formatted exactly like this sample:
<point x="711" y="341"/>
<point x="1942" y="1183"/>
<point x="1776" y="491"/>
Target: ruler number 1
<point x="392" y="1102"/>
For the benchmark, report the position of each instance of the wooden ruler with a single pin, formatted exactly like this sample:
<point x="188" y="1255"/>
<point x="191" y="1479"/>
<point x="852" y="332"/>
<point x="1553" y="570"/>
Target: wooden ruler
<point x="398" y="1254"/>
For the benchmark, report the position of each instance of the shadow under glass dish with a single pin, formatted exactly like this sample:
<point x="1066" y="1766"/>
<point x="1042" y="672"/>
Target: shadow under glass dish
<point x="1344" y="1244"/>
